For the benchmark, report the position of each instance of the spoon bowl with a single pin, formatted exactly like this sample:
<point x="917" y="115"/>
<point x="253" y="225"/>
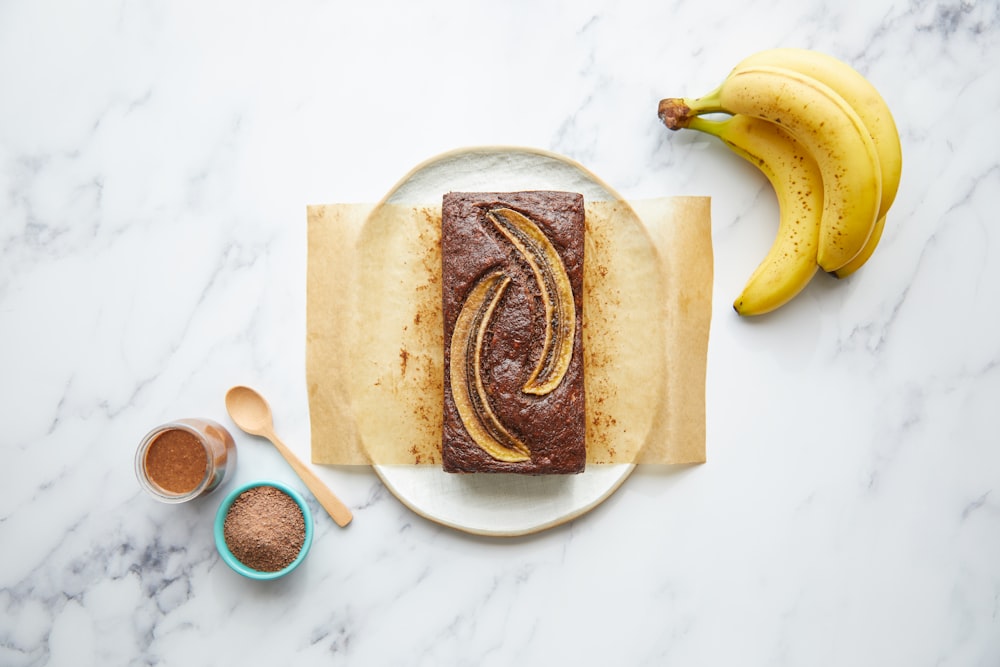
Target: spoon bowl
<point x="251" y="412"/>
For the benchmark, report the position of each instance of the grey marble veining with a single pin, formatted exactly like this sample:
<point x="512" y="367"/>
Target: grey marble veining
<point x="155" y="164"/>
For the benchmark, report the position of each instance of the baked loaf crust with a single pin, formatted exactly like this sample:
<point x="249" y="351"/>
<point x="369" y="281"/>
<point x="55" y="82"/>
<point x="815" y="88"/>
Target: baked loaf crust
<point x="512" y="286"/>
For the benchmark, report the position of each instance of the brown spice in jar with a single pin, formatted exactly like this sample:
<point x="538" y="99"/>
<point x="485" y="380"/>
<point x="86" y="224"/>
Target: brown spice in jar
<point x="264" y="528"/>
<point x="176" y="461"/>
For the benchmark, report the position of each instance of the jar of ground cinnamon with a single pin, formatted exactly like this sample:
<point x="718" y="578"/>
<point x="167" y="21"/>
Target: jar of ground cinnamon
<point x="184" y="459"/>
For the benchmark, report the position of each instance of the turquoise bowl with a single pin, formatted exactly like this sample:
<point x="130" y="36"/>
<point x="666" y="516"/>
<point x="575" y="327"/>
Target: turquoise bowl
<point x="234" y="562"/>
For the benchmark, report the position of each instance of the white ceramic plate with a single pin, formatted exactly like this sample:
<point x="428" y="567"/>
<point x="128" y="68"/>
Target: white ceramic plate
<point x="505" y="504"/>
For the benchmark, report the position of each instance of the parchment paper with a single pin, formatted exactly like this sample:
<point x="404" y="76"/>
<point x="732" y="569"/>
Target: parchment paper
<point x="375" y="343"/>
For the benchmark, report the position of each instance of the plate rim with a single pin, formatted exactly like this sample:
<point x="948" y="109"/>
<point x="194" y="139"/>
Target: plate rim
<point x="496" y="149"/>
<point x="628" y="469"/>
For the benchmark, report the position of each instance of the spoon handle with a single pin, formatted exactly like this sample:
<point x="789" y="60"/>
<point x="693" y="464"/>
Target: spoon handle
<point x="337" y="510"/>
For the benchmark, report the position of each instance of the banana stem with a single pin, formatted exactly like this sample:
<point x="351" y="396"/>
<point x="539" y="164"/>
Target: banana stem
<point x="678" y="112"/>
<point x="674" y="112"/>
<point x="716" y="128"/>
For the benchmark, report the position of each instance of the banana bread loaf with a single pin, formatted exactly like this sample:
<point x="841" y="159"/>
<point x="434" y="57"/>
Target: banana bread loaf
<point x="512" y="284"/>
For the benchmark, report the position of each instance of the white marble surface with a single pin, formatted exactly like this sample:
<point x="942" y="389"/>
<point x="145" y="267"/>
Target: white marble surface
<point x="156" y="159"/>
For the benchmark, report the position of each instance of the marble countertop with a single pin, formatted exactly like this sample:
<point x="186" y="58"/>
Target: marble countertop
<point x="156" y="160"/>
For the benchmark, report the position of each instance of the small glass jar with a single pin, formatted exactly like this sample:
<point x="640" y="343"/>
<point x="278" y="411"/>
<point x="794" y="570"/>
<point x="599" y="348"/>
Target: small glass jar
<point x="185" y="459"/>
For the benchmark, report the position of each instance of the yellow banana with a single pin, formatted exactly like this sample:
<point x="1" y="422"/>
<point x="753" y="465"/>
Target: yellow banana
<point x="827" y="126"/>
<point x="864" y="98"/>
<point x="798" y="184"/>
<point x="866" y="252"/>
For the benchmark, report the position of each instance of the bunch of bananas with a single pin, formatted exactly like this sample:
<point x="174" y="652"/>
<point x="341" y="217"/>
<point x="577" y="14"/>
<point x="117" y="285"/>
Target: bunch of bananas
<point x="825" y="139"/>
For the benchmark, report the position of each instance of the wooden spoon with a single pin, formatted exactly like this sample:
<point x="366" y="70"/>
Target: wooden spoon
<point x="251" y="413"/>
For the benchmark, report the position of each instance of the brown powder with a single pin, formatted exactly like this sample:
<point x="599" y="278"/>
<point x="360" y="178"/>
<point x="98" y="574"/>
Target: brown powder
<point x="264" y="528"/>
<point x="176" y="461"/>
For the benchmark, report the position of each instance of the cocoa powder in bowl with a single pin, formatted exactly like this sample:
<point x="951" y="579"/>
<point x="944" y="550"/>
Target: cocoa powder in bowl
<point x="265" y="528"/>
